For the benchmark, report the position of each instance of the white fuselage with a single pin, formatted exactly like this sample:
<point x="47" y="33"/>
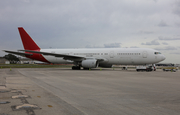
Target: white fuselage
<point x="87" y="58"/>
<point x="125" y="56"/>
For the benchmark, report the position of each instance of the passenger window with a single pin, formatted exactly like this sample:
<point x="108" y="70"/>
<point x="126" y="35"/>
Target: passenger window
<point x="157" y="52"/>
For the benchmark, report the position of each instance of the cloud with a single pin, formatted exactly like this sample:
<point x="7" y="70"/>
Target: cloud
<point x="162" y="24"/>
<point x="93" y="46"/>
<point x="90" y="24"/>
<point x="112" y="45"/>
<point x="165" y="43"/>
<point x="146" y="32"/>
<point x="178" y="53"/>
<point x="177" y="24"/>
<point x="155" y="0"/>
<point x="27" y="1"/>
<point x="109" y="45"/>
<point x="154" y="42"/>
<point x="168" y="38"/>
<point x="177" y="8"/>
<point x="167" y="48"/>
<point x="134" y="47"/>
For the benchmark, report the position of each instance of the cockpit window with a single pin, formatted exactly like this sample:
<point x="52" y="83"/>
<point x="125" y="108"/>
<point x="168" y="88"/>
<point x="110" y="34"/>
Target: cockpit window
<point x="157" y="52"/>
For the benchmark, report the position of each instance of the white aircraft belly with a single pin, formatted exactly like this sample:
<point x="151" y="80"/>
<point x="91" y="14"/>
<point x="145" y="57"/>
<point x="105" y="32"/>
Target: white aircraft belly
<point x="58" y="60"/>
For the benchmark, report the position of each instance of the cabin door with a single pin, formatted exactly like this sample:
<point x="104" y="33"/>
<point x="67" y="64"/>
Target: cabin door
<point x="144" y="54"/>
<point x="111" y="54"/>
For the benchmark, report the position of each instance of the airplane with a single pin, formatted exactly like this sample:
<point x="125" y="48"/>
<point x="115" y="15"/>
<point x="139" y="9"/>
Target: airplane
<point x="87" y="58"/>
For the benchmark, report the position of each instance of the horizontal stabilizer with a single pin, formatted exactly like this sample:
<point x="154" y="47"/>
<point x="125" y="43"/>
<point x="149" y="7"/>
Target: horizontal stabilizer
<point x="18" y="53"/>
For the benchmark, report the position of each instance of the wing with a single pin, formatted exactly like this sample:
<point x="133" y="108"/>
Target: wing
<point x="18" y="53"/>
<point x="66" y="57"/>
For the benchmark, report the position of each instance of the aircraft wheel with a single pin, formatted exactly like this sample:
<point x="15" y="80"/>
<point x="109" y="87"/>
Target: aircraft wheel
<point x="73" y="67"/>
<point x="85" y="68"/>
<point x="76" y="67"/>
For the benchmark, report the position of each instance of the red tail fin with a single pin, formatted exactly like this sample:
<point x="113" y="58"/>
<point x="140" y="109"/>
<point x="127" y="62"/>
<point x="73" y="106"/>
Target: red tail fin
<point x="27" y="41"/>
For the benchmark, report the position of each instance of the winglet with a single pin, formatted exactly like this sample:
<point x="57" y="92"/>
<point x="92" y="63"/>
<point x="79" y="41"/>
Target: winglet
<point x="27" y="41"/>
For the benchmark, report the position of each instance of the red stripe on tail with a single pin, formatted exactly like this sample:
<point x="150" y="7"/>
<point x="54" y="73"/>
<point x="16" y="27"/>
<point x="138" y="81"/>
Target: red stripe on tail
<point x="29" y="44"/>
<point x="27" y="41"/>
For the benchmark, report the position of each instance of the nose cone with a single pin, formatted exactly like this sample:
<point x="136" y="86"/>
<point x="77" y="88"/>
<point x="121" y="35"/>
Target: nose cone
<point x="163" y="57"/>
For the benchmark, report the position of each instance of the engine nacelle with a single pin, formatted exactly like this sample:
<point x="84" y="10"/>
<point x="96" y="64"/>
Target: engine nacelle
<point x="89" y="63"/>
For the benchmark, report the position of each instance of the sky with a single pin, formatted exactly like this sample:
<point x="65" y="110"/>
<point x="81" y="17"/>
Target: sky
<point x="93" y="24"/>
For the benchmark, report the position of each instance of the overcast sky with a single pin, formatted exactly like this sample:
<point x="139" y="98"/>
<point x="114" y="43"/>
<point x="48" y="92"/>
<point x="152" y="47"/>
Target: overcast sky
<point x="93" y="24"/>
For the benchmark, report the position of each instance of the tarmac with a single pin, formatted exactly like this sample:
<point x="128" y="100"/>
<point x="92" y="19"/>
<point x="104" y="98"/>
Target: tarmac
<point x="62" y="91"/>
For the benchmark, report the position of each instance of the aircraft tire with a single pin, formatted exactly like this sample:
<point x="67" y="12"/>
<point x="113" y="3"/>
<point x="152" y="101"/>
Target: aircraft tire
<point x="85" y="68"/>
<point x="76" y="67"/>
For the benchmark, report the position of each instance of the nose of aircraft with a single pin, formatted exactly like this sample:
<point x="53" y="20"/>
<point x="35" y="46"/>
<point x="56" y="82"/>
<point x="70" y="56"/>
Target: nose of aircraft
<point x="163" y="57"/>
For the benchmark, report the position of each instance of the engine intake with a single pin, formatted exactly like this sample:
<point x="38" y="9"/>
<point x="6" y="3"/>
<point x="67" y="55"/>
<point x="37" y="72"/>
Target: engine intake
<point x="89" y="63"/>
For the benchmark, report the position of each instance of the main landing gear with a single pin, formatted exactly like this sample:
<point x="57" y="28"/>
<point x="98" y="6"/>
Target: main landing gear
<point x="85" y="68"/>
<point x="76" y="67"/>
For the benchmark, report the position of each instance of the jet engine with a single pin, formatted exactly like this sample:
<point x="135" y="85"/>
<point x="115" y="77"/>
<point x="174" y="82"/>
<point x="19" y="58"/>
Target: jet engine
<point x="89" y="63"/>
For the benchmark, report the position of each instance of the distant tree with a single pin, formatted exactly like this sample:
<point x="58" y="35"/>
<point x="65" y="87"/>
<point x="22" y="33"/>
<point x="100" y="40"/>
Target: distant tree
<point x="11" y="58"/>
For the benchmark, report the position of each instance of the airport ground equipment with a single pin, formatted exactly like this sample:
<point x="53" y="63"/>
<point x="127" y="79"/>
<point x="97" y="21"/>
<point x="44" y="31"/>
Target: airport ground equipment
<point x="172" y="70"/>
<point x="144" y="68"/>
